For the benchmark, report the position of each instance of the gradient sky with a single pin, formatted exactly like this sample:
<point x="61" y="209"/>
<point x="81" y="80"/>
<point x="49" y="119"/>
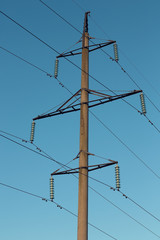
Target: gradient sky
<point x="27" y="92"/>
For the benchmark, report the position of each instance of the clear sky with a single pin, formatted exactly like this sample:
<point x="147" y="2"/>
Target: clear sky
<point x="27" y="92"/>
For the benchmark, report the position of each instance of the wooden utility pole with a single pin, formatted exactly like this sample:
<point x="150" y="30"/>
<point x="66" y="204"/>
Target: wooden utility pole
<point x="82" y="233"/>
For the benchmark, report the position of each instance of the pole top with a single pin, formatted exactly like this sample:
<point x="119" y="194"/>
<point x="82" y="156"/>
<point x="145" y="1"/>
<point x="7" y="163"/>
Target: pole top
<point x="85" y="29"/>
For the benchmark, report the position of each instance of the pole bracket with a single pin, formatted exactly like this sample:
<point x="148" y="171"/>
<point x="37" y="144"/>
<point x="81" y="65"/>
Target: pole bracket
<point x="90" y="168"/>
<point x="91" y="48"/>
<point x="71" y="104"/>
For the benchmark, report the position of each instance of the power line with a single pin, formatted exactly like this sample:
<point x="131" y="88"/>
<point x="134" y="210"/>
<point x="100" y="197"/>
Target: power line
<point x="46" y="156"/>
<point x="89" y="186"/>
<point x="152" y="124"/>
<point x="62" y="85"/>
<point x="58" y="205"/>
<point x="35" y="66"/>
<point x="131" y="78"/>
<point x="140" y="73"/>
<point x="125" y="57"/>
<point x="109" y="55"/>
<point x="32" y="64"/>
<point x="60" y="16"/>
<point x="112" y="60"/>
<point x="140" y="206"/>
<point x="125" y="212"/>
<point x="101" y="121"/>
<point x="50" y="75"/>
<point x="65" y="57"/>
<point x="24" y="60"/>
<point x="97" y="117"/>
<point x="127" y="197"/>
<point x="126" y="146"/>
<point x="65" y="166"/>
<point x="61" y="207"/>
<point x="92" y="78"/>
<point x="25" y="29"/>
<point x="40" y="151"/>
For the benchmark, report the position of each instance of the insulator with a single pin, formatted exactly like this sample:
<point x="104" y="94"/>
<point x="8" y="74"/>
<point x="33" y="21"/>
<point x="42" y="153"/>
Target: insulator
<point x="117" y="177"/>
<point x="115" y="52"/>
<point x="32" y="132"/>
<point x="56" y="68"/>
<point x="51" y="189"/>
<point x="143" y="106"/>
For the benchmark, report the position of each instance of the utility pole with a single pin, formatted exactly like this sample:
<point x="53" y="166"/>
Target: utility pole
<point x="72" y="105"/>
<point x="82" y="233"/>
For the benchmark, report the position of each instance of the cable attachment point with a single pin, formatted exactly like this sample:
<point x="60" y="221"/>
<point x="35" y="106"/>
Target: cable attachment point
<point x="51" y="188"/>
<point x="56" y="68"/>
<point x="143" y="106"/>
<point x="117" y="177"/>
<point x="32" y="132"/>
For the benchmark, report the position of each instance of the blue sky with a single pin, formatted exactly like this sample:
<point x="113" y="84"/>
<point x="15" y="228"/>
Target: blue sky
<point x="27" y="92"/>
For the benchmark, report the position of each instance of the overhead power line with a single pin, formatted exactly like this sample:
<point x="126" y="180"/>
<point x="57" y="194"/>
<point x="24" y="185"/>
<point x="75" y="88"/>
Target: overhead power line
<point x="35" y="66"/>
<point x="66" y="166"/>
<point x="65" y="57"/>
<point x="126" y="58"/>
<point x="39" y="153"/>
<point x="152" y="232"/>
<point x="71" y="25"/>
<point x="25" y="29"/>
<point x="126" y="146"/>
<point x="137" y="85"/>
<point x="104" y="125"/>
<point x="62" y="85"/>
<point x="90" y="188"/>
<point x="91" y="112"/>
<point x="140" y="73"/>
<point x="127" y="197"/>
<point x="95" y="115"/>
<point x="142" y="225"/>
<point x="112" y="60"/>
<point x="58" y="205"/>
<point x="24" y="60"/>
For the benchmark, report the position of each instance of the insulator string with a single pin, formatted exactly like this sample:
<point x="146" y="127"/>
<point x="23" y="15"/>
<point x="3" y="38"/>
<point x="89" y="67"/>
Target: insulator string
<point x="117" y="177"/>
<point x="51" y="188"/>
<point x="32" y="132"/>
<point x="56" y="68"/>
<point x="115" y="47"/>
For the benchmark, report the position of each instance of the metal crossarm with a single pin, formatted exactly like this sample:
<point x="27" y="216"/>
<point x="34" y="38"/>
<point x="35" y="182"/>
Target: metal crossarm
<point x="72" y="107"/>
<point x="90" y="168"/>
<point x="91" y="49"/>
